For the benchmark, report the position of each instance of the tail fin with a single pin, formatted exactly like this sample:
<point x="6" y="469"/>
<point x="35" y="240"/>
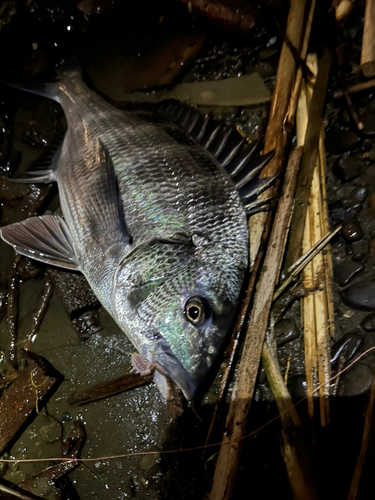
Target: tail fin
<point x="65" y="70"/>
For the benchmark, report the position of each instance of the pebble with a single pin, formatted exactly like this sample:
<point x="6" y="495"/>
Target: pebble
<point x="339" y="213"/>
<point x="343" y="273"/>
<point x="352" y="231"/>
<point x="12" y="164"/>
<point x="87" y="324"/>
<point x="66" y="417"/>
<point x="346" y="347"/>
<point x="368" y="323"/>
<point x="30" y="269"/>
<point x="286" y="331"/>
<point x="356" y="381"/>
<point x="297" y="386"/>
<point x="359" y="194"/>
<point x="262" y="375"/>
<point x="371" y="201"/>
<point x="360" y="295"/>
<point x="370" y="171"/>
<point x="368" y="120"/>
<point x="347" y="168"/>
<point x="344" y="117"/>
<point x="371" y="248"/>
<point x="266" y="54"/>
<point x="151" y="461"/>
<point x="339" y="141"/>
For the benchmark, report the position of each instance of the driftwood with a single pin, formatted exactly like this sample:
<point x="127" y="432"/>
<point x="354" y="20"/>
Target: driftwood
<point x="248" y="366"/>
<point x="34" y="384"/>
<point x="368" y="41"/>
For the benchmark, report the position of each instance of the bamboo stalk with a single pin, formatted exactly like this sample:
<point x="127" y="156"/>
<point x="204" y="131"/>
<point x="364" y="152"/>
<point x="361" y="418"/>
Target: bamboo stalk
<point x="368" y="41"/>
<point x="248" y="366"/>
<point x="276" y="136"/>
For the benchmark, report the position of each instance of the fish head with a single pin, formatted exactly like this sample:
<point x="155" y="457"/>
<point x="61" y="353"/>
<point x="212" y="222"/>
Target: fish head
<point x="180" y="321"/>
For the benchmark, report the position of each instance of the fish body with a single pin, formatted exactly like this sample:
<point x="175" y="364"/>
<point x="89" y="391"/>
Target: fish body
<point x="155" y="225"/>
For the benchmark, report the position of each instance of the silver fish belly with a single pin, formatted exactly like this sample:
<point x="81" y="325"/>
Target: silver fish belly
<point x="154" y="224"/>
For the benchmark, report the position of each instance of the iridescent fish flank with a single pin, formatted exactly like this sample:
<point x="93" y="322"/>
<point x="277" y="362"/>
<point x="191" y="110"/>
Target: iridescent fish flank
<point x="153" y="221"/>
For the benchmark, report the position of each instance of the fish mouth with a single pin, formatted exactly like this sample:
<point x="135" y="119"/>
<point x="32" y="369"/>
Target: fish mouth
<point x="162" y="355"/>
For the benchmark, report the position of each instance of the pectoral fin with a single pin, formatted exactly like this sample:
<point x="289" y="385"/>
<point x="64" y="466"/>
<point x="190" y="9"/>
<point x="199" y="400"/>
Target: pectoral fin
<point x="43" y="238"/>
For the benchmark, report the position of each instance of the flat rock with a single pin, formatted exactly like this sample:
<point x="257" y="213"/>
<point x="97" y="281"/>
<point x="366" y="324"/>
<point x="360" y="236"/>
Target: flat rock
<point x="360" y="295"/>
<point x="347" y="168"/>
<point x="340" y="141"/>
<point x="346" y="347"/>
<point x="356" y="381"/>
<point x="343" y="273"/>
<point x="286" y="331"/>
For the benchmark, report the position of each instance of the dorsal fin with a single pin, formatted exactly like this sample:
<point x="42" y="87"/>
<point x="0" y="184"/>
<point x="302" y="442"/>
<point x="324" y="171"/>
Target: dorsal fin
<point x="231" y="150"/>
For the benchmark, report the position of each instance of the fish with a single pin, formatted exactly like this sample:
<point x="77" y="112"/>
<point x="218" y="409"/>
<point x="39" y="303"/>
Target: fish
<point x="154" y="209"/>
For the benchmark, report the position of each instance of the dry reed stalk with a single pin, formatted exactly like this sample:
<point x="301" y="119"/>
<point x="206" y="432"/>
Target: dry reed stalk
<point x="315" y="306"/>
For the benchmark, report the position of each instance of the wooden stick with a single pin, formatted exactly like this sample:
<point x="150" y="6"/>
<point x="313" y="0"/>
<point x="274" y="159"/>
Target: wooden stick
<point x="276" y="137"/>
<point x="248" y="366"/>
<point x="368" y="41"/>
<point x="353" y="89"/>
<point x="37" y="318"/>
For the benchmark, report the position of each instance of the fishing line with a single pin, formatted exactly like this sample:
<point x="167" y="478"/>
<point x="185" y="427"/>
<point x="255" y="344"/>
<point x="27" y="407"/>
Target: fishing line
<point x="165" y="452"/>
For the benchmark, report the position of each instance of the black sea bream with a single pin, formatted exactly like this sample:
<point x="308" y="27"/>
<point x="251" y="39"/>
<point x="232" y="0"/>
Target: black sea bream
<point x="153" y="221"/>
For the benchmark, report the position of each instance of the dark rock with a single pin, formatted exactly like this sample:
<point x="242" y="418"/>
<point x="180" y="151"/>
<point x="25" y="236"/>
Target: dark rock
<point x="368" y="323"/>
<point x="66" y="417"/>
<point x="344" y="117"/>
<point x="339" y="141"/>
<point x="297" y="386"/>
<point x="368" y="121"/>
<point x="347" y="168"/>
<point x="371" y="248"/>
<point x="12" y="164"/>
<point x="356" y="381"/>
<point x="266" y="54"/>
<point x="343" y="273"/>
<point x="339" y="213"/>
<point x="3" y="300"/>
<point x="73" y="291"/>
<point x="286" y="330"/>
<point x="360" y="295"/>
<point x="371" y="171"/>
<point x="87" y="324"/>
<point x="262" y="375"/>
<point x="352" y="231"/>
<point x="359" y="194"/>
<point x="349" y="249"/>
<point x="358" y="256"/>
<point x="346" y="347"/>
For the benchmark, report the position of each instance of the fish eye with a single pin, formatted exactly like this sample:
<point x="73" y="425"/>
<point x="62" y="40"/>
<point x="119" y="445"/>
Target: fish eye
<point x="197" y="310"/>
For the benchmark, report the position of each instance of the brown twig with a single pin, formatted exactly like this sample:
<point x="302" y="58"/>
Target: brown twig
<point x="248" y="367"/>
<point x="353" y="493"/>
<point x="353" y="89"/>
<point x="38" y="316"/>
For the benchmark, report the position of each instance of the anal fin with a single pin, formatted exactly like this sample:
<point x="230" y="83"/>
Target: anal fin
<point x="44" y="238"/>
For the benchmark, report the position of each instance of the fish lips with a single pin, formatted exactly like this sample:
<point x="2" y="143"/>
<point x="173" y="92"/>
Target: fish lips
<point x="162" y="355"/>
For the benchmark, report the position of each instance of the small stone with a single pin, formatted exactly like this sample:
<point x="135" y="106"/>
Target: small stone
<point x="371" y="248"/>
<point x="262" y="375"/>
<point x="358" y="256"/>
<point x="359" y="194"/>
<point x="30" y="269"/>
<point x="371" y="202"/>
<point x="368" y="121"/>
<point x="339" y="141"/>
<point x="360" y="295"/>
<point x="368" y="323"/>
<point x="297" y="386"/>
<point x="266" y="54"/>
<point x="145" y="483"/>
<point x="347" y="168"/>
<point x="346" y="347"/>
<point x="286" y="330"/>
<point x="352" y="231"/>
<point x="356" y="381"/>
<point x="50" y="432"/>
<point x="343" y="273"/>
<point x="344" y="117"/>
<point x="339" y="213"/>
<point x="87" y="324"/>
<point x="66" y="417"/>
<point x="371" y="155"/>
<point x="370" y="171"/>
<point x="42" y="487"/>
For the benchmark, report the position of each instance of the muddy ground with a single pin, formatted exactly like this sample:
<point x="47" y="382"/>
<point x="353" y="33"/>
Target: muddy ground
<point x="132" y="47"/>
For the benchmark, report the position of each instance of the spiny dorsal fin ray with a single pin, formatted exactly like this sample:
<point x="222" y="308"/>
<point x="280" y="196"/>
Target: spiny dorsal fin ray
<point x="44" y="238"/>
<point x="226" y="145"/>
